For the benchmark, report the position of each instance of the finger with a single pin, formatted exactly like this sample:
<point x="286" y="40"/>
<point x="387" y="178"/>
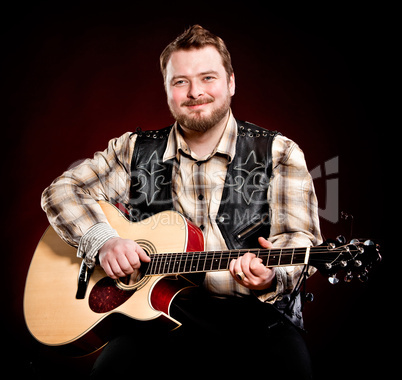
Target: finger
<point x="257" y="268"/>
<point x="238" y="265"/>
<point x="125" y="264"/>
<point x="245" y="265"/>
<point x="232" y="268"/>
<point x="106" y="267"/>
<point x="235" y="268"/>
<point x="116" y="270"/>
<point x="134" y="254"/>
<point x="142" y="254"/>
<point x="241" y="265"/>
<point x="132" y="257"/>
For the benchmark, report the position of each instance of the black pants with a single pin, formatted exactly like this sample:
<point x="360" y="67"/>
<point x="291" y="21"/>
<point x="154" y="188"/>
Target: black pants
<point x="240" y="337"/>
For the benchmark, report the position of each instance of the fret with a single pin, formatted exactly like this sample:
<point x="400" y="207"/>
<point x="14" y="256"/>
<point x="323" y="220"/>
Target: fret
<point x="195" y="260"/>
<point x="161" y="266"/>
<point x="183" y="260"/>
<point x="198" y="262"/>
<point x="264" y="256"/>
<point x="192" y="265"/>
<point x="150" y="268"/>
<point x="187" y="264"/>
<point x="157" y="259"/>
<point x="176" y="263"/>
<point x="206" y="267"/>
<point x="299" y="256"/>
<point x="190" y="268"/>
<point x="286" y="256"/>
<point x="220" y="261"/>
<point x="229" y="259"/>
<point x="201" y="262"/>
<point x="158" y="268"/>
<point x="207" y="262"/>
<point x="166" y="264"/>
<point x="236" y="254"/>
<point x="216" y="261"/>
<point x="224" y="260"/>
<point x="274" y="258"/>
<point x="173" y="263"/>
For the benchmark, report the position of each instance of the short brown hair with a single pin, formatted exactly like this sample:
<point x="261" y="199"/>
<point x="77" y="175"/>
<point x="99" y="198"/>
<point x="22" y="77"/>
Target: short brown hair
<point x="196" y="37"/>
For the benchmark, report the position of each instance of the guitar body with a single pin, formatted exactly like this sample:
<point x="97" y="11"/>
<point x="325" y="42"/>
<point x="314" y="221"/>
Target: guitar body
<point x="55" y="316"/>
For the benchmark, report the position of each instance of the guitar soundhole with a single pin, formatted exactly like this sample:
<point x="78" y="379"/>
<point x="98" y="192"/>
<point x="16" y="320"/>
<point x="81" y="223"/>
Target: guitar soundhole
<point x="131" y="280"/>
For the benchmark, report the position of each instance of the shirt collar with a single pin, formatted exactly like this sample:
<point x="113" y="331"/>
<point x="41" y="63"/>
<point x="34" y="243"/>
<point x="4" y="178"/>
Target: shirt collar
<point x="226" y="146"/>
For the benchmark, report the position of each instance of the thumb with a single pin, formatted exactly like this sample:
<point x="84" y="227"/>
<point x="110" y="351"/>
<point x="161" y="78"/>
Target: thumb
<point x="264" y="243"/>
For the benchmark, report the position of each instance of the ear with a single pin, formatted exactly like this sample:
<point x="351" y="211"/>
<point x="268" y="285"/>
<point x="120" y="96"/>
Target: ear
<point x="232" y="85"/>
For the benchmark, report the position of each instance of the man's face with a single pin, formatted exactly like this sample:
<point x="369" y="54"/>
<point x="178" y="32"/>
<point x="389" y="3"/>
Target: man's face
<point x="197" y="87"/>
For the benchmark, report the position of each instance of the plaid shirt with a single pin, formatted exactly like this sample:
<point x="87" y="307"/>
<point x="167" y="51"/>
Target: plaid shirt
<point x="70" y="201"/>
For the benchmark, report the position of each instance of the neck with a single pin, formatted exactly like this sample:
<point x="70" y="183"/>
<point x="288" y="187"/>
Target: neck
<point x="204" y="143"/>
<point x="196" y="262"/>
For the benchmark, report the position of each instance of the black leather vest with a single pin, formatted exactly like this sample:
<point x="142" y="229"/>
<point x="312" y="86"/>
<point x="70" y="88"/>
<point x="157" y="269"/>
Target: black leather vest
<point x="244" y="211"/>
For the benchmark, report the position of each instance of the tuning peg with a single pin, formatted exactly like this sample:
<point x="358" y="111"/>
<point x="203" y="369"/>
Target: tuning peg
<point x="333" y="280"/>
<point x="368" y="242"/>
<point x="363" y="277"/>
<point x="348" y="277"/>
<point x="341" y="239"/>
<point x="308" y="297"/>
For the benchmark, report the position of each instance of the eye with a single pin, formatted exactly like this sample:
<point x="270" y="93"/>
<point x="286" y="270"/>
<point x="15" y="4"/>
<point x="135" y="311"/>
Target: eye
<point x="209" y="78"/>
<point x="180" y="82"/>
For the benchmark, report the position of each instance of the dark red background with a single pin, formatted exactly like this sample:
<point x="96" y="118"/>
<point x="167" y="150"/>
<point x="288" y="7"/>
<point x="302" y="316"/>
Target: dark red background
<point x="75" y="76"/>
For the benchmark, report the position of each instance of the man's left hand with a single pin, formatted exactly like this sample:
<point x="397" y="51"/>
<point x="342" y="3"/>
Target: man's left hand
<point x="255" y="275"/>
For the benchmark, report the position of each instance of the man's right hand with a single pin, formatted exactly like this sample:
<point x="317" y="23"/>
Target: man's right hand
<point x="120" y="257"/>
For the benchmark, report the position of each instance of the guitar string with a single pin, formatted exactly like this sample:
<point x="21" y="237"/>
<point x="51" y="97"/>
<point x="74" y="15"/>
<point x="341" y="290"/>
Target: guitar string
<point x="209" y="259"/>
<point x="278" y="251"/>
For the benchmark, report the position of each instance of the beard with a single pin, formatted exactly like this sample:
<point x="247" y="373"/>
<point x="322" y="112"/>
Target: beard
<point x="196" y="121"/>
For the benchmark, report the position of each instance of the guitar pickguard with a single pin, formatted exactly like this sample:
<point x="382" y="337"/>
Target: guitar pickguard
<point x="106" y="296"/>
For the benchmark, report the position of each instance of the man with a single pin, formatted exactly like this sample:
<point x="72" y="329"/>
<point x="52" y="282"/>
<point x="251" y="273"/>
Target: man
<point x="241" y="184"/>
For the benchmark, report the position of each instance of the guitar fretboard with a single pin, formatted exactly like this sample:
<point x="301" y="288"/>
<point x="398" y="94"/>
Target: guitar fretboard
<point x="211" y="261"/>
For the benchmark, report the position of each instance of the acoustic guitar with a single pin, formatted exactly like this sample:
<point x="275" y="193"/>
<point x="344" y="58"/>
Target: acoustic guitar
<point x="69" y="306"/>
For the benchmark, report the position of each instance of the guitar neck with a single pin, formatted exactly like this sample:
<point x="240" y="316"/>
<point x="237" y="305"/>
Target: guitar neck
<point x="212" y="261"/>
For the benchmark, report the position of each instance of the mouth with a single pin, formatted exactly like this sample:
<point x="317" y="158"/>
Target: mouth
<point x="197" y="104"/>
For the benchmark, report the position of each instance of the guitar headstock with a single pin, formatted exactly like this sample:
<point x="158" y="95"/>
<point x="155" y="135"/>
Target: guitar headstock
<point x="355" y="258"/>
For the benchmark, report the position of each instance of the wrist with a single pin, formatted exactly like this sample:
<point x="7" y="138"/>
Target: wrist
<point x="93" y="240"/>
<point x="269" y="288"/>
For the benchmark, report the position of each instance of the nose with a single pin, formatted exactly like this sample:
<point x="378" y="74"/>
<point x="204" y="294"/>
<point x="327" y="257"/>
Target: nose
<point x="195" y="90"/>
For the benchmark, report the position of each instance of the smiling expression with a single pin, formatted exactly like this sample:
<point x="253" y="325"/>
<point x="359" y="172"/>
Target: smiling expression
<point x="198" y="88"/>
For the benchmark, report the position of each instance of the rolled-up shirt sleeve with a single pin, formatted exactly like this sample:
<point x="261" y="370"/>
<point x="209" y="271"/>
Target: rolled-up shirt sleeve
<point x="293" y="210"/>
<point x="70" y="202"/>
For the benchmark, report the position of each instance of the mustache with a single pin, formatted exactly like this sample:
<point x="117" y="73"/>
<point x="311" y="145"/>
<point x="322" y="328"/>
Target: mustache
<point x="196" y="102"/>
